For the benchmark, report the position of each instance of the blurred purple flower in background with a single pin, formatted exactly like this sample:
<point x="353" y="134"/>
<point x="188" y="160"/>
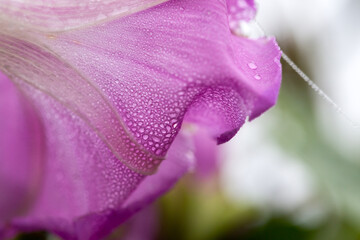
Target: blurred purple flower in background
<point x="98" y="95"/>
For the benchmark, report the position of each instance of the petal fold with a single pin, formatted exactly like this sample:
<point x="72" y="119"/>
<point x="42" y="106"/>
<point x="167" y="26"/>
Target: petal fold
<point x="134" y="80"/>
<point x="86" y="191"/>
<point x="111" y="100"/>
<point x="180" y="160"/>
<point x="206" y="155"/>
<point x="82" y="176"/>
<point x="30" y="64"/>
<point x="175" y="62"/>
<point x="21" y="151"/>
<point x="60" y="15"/>
<point x="86" y="198"/>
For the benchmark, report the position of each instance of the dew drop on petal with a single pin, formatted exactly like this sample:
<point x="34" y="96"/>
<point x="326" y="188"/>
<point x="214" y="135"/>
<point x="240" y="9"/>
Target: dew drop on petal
<point x="252" y="65"/>
<point x="257" y="77"/>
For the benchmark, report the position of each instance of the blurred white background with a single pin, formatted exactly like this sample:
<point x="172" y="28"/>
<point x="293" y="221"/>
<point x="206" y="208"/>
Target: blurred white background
<point x="325" y="36"/>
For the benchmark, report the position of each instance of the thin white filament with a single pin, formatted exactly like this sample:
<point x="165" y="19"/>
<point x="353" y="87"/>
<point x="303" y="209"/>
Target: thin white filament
<point x="312" y="84"/>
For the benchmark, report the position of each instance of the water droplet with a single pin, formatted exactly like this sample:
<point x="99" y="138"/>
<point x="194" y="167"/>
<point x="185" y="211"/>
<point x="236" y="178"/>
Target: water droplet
<point x="252" y="65"/>
<point x="257" y="77"/>
<point x="168" y="128"/>
<point x="145" y="137"/>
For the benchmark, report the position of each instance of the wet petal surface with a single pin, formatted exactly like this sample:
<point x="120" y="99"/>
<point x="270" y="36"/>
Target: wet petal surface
<point x="112" y="99"/>
<point x="173" y="62"/>
<point x="60" y="15"/>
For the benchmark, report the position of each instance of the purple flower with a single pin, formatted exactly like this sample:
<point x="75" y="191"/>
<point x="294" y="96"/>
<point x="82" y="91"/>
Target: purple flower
<point x="97" y="98"/>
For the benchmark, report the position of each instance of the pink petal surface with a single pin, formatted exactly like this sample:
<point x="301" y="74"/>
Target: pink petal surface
<point x="112" y="99"/>
<point x="59" y="15"/>
<point x="28" y="64"/>
<point x="172" y="61"/>
<point x="143" y="226"/>
<point x="86" y="191"/>
<point x="206" y="155"/>
<point x="6" y="232"/>
<point x="180" y="160"/>
<point x="144" y="82"/>
<point x="21" y="151"/>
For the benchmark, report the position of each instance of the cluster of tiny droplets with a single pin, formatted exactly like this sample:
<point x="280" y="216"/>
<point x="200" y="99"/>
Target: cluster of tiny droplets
<point x="114" y="180"/>
<point x="136" y="102"/>
<point x="150" y="85"/>
<point x="68" y="14"/>
<point x="62" y="83"/>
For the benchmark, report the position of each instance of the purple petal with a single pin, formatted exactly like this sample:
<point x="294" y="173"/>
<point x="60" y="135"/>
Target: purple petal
<point x="86" y="193"/>
<point x="82" y="176"/>
<point x="143" y="225"/>
<point x="120" y="91"/>
<point x="59" y="15"/>
<point x="206" y="155"/>
<point x="180" y="160"/>
<point x="172" y="61"/>
<point x="135" y="92"/>
<point x="67" y="87"/>
<point x="21" y="151"/>
<point x="6" y="232"/>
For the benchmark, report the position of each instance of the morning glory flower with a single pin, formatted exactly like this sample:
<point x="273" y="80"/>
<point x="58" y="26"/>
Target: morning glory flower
<point x="93" y="96"/>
